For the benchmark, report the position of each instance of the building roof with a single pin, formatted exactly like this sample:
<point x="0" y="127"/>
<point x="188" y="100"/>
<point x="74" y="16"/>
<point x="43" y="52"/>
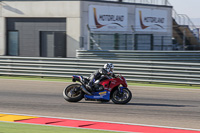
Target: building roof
<point x="104" y="1"/>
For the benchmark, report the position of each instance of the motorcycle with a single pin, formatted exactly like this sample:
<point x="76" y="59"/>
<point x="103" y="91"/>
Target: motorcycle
<point x="114" y="89"/>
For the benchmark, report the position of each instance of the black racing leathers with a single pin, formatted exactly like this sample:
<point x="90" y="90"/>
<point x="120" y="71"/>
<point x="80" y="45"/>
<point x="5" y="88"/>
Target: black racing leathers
<point x="98" y="75"/>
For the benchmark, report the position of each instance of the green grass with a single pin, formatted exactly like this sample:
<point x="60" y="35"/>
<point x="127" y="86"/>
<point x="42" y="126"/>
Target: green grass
<point x="129" y="83"/>
<point x="186" y="86"/>
<point x="37" y="78"/>
<point x="29" y="128"/>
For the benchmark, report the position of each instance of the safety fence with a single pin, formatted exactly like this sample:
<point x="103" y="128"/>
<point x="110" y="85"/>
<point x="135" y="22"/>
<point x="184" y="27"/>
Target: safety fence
<point x="145" y="71"/>
<point x="169" y="56"/>
<point x="103" y="41"/>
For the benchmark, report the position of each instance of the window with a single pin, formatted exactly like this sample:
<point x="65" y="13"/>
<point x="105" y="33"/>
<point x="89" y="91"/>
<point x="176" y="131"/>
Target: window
<point x="111" y="41"/>
<point x="13" y="43"/>
<point x="144" y="42"/>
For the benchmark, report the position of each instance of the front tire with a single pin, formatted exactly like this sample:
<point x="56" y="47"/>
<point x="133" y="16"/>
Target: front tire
<point x="121" y="98"/>
<point x="73" y="93"/>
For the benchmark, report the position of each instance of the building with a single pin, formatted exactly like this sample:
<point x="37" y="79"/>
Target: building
<point x="53" y="28"/>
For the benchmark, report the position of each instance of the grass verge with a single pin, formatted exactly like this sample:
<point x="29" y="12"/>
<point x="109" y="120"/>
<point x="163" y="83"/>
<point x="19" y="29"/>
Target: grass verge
<point x="29" y="128"/>
<point x="169" y="85"/>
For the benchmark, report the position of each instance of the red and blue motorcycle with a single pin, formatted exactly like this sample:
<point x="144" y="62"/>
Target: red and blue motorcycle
<point x="114" y="89"/>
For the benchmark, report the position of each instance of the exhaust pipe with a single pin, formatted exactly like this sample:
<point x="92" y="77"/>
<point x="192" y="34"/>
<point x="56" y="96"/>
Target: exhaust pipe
<point x="85" y="90"/>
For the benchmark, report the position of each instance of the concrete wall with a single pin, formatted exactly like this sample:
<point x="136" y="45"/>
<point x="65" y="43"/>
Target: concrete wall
<point x="62" y="9"/>
<point x="131" y="19"/>
<point x="85" y="18"/>
<point x="30" y="32"/>
<point x="2" y="33"/>
<point x="76" y="14"/>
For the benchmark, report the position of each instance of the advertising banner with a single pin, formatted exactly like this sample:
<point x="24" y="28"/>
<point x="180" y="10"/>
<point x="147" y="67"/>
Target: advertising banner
<point x="107" y="18"/>
<point x="151" y="20"/>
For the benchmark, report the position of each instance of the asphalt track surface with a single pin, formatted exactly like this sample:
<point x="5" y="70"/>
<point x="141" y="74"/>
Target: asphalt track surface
<point x="150" y="105"/>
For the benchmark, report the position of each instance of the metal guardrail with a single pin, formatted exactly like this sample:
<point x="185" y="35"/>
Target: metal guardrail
<point x="146" y="71"/>
<point x="170" y="56"/>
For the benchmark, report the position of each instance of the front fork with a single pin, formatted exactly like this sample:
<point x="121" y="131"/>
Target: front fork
<point x="120" y="90"/>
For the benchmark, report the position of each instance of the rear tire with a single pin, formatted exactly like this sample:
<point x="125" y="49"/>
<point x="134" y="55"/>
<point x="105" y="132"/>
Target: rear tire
<point x="123" y="98"/>
<point x="73" y="93"/>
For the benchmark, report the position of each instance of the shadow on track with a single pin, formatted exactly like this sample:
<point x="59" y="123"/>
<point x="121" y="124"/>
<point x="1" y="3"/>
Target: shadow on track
<point x="158" y="105"/>
<point x="138" y="104"/>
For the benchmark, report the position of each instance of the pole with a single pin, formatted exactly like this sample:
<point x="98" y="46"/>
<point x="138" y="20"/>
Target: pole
<point x="184" y="39"/>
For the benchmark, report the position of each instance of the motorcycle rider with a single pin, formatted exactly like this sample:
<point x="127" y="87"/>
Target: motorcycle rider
<point x="98" y="75"/>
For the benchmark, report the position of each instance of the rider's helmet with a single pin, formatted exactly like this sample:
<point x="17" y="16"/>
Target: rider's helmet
<point x="109" y="67"/>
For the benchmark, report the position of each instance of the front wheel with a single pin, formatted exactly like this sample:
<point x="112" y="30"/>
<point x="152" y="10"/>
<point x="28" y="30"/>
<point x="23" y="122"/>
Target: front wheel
<point x="121" y="97"/>
<point x="73" y="93"/>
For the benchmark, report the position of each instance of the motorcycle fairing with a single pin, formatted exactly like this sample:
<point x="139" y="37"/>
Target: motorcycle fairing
<point x="112" y="83"/>
<point x="102" y="95"/>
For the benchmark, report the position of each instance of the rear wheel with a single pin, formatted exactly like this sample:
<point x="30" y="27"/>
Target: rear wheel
<point x="121" y="97"/>
<point x="73" y="93"/>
